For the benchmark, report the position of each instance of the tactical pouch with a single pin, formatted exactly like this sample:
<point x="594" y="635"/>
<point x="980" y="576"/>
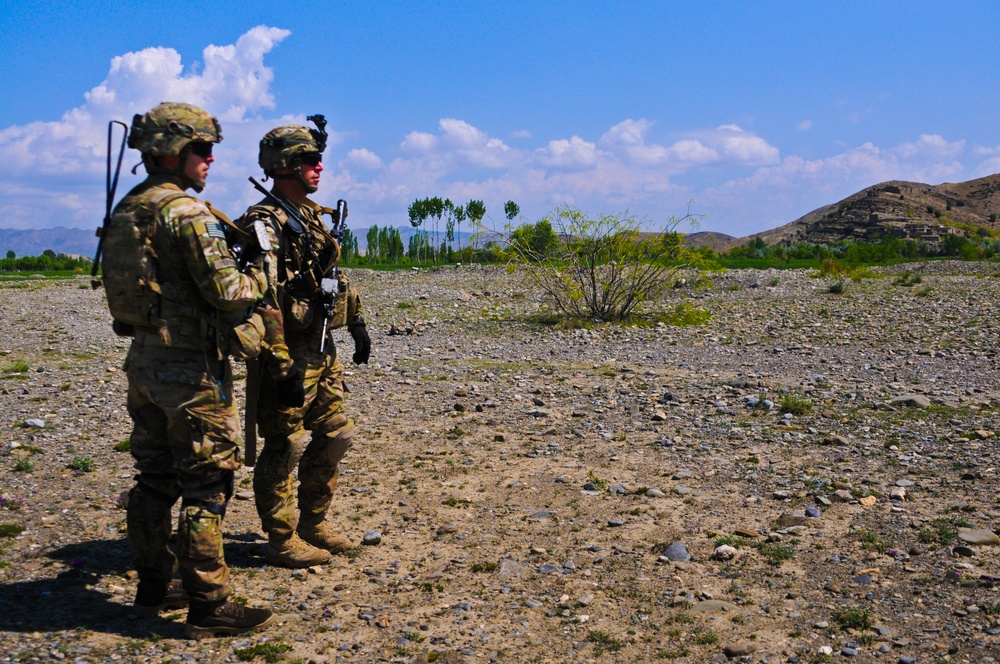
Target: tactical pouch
<point x="347" y="305"/>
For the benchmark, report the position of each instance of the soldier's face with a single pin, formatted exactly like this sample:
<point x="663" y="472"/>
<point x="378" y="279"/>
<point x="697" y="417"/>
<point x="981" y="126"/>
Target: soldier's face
<point x="311" y="165"/>
<point x="196" y="167"/>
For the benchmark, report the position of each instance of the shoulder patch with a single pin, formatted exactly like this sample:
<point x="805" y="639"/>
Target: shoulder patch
<point x="215" y="229"/>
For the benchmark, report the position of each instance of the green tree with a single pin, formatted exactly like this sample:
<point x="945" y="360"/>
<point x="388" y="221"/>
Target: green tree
<point x="511" y="210"/>
<point x="534" y="241"/>
<point x="475" y="211"/>
<point x="348" y="247"/>
<point x="607" y="267"/>
<point x="459" y="218"/>
<point x="372" y="251"/>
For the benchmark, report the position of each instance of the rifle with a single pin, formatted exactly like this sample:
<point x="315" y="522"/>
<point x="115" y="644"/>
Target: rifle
<point x="110" y="187"/>
<point x="298" y="226"/>
<point x="254" y="366"/>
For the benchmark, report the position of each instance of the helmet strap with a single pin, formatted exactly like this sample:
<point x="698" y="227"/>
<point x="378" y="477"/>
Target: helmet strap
<point x="297" y="167"/>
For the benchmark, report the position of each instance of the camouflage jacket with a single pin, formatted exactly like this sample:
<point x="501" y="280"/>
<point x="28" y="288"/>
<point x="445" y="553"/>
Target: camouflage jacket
<point x="297" y="265"/>
<point x="189" y="278"/>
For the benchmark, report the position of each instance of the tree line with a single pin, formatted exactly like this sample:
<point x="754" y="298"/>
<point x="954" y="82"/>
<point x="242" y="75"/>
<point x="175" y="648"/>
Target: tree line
<point x="48" y="261"/>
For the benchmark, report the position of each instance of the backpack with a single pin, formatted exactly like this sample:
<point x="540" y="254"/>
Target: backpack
<point x="130" y="264"/>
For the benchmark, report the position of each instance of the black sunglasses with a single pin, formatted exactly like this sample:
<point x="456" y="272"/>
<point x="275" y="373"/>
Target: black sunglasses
<point x="203" y="150"/>
<point x="311" y="159"/>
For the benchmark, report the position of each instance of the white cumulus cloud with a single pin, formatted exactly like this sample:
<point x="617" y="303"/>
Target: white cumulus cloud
<point x="362" y="158"/>
<point x="230" y="82"/>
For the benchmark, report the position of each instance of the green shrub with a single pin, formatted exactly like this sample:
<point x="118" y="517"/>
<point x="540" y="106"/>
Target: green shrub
<point x="852" y="618"/>
<point x="604" y="642"/>
<point x="82" y="463"/>
<point x="795" y="405"/>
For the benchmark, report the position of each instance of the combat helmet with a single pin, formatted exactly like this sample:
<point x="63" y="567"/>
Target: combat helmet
<point x="170" y="127"/>
<point x="282" y="147"/>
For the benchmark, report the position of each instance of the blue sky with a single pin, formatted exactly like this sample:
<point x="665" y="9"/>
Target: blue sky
<point x="756" y="112"/>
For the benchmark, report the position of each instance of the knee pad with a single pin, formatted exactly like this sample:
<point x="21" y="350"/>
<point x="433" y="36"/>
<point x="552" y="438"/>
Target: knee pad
<point x="338" y="442"/>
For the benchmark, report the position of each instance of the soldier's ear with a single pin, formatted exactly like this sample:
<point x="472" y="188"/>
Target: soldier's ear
<point x="169" y="161"/>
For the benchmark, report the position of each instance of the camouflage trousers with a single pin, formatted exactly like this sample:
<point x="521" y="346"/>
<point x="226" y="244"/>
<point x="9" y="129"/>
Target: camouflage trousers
<point x="312" y="438"/>
<point x="185" y="442"/>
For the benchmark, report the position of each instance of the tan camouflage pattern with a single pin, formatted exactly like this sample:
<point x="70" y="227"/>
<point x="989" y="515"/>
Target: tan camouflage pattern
<point x="168" y="127"/>
<point x="288" y="446"/>
<point x="186" y="435"/>
<point x="195" y="292"/>
<point x="185" y="441"/>
<point x="314" y="438"/>
<point x="281" y="145"/>
<point x="298" y="320"/>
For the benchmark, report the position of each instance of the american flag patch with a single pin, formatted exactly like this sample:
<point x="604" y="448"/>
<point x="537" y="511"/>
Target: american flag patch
<point x="216" y="230"/>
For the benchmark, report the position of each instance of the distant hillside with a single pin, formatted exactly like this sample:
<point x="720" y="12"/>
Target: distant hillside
<point x="908" y="210"/>
<point x="710" y="239"/>
<point x="69" y="241"/>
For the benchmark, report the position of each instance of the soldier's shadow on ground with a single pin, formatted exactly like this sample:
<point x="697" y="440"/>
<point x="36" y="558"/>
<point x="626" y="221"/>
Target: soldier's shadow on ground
<point x="77" y="597"/>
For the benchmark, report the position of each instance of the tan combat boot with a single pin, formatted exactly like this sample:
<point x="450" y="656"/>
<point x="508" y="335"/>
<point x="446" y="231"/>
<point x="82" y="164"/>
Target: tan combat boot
<point x="293" y="552"/>
<point x="323" y="536"/>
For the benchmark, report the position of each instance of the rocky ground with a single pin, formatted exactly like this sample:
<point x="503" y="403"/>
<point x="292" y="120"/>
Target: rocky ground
<point x="806" y="477"/>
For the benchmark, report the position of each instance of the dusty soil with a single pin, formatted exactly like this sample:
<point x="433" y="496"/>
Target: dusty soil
<point x="537" y="490"/>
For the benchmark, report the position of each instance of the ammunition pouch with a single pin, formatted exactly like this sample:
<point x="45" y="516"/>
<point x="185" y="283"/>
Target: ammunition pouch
<point x="346" y="305"/>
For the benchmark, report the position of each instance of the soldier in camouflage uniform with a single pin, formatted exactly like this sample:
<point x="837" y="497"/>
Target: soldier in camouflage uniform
<point x="173" y="286"/>
<point x="301" y="404"/>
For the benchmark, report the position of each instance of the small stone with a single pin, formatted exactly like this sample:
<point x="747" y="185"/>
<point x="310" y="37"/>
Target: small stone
<point x="789" y="519"/>
<point x="244" y="495"/>
<point x="739" y="649"/>
<point x="911" y="401"/>
<point x="371" y="538"/>
<point x="677" y="552"/>
<point x="849" y="652"/>
<point x="813" y="512"/>
<point x="34" y="423"/>
<point x="654" y="492"/>
<point x="724" y="552"/>
<point x="868" y="501"/>
<point x="615" y="523"/>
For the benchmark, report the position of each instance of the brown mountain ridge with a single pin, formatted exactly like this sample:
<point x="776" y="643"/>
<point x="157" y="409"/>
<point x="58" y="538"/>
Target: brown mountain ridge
<point x="908" y="210"/>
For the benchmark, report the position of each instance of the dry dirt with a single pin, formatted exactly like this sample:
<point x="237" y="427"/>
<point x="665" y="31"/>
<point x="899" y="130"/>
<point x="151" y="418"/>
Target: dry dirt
<point x="528" y="482"/>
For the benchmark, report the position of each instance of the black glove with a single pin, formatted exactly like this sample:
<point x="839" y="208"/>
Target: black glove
<point x="362" y="342"/>
<point x="290" y="392"/>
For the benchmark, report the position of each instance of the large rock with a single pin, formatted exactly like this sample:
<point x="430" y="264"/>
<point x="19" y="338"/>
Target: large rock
<point x="978" y="536"/>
